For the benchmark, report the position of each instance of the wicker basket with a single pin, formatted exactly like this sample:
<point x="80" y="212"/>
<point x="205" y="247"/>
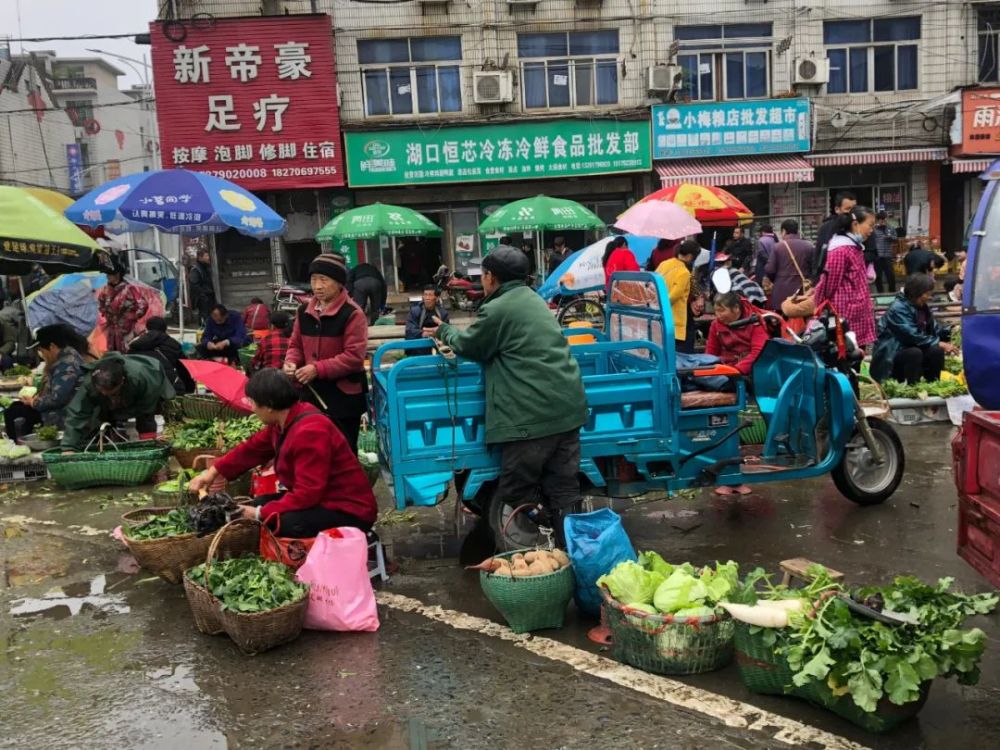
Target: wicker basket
<point x="367" y="439"/>
<point x="202" y="406"/>
<point x="665" y="645"/>
<point x="254" y="632"/>
<point x="763" y="670"/>
<point x="168" y="557"/>
<point x="756" y="433"/>
<point x="126" y="465"/>
<point x="532" y="602"/>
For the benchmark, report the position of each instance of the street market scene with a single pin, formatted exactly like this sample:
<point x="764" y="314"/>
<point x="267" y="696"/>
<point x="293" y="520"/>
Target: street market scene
<point x="429" y="374"/>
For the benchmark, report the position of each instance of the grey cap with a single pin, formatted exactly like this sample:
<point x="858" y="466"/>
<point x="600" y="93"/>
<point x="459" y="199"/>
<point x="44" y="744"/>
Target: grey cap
<point x="507" y="263"/>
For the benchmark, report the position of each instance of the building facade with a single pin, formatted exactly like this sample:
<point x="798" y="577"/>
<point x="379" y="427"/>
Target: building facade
<point x="431" y="92"/>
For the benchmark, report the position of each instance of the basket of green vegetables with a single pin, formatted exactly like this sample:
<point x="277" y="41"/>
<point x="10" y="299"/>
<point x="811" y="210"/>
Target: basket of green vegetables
<point x="206" y="437"/>
<point x="868" y="655"/>
<point x="256" y="602"/>
<point x="163" y="541"/>
<point x="666" y="618"/>
<point x="42" y="439"/>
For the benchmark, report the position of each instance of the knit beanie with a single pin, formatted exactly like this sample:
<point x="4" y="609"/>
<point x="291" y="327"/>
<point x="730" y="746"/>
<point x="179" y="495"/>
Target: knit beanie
<point x="330" y="264"/>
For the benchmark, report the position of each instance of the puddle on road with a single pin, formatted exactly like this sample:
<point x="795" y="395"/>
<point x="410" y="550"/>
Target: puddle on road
<point x="60" y="603"/>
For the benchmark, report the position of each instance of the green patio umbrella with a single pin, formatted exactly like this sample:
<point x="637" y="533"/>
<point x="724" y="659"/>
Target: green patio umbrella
<point x="541" y="214"/>
<point x="31" y="231"/>
<point x="377" y="220"/>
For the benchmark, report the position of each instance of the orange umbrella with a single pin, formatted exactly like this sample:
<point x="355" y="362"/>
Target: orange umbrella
<point x="712" y="206"/>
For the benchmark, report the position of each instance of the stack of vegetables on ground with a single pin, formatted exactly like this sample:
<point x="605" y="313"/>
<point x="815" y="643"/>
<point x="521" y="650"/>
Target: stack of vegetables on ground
<point x="881" y="643"/>
<point x="654" y="586"/>
<point x="250" y="584"/>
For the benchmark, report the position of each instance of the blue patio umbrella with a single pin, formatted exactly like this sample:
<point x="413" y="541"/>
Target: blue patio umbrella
<point x="584" y="268"/>
<point x="176" y="201"/>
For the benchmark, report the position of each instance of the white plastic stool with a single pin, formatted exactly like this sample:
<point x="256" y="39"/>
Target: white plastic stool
<point x="376" y="567"/>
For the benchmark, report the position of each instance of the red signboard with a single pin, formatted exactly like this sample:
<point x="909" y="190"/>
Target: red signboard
<point x="252" y="100"/>
<point x="980" y="121"/>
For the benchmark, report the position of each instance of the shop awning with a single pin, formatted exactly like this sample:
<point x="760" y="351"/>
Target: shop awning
<point x="855" y="158"/>
<point x="751" y="170"/>
<point x="964" y="166"/>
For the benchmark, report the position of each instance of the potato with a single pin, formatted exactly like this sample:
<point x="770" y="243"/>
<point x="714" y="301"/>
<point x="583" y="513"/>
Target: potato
<point x="518" y="557"/>
<point x="539" y="568"/>
<point x="521" y="571"/>
<point x="530" y="557"/>
<point x="554" y="565"/>
<point x="561" y="557"/>
<point x="502" y="569"/>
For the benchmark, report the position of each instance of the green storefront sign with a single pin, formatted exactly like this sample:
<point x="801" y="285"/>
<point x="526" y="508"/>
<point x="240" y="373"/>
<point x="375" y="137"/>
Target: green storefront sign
<point x="484" y="153"/>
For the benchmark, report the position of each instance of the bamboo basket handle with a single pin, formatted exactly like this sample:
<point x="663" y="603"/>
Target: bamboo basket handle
<point x="271" y="539"/>
<point x="214" y="546"/>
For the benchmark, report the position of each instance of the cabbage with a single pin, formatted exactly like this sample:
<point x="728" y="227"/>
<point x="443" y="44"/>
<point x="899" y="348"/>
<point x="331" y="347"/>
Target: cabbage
<point x="694" y="612"/>
<point x="630" y="583"/>
<point x="680" y="591"/>
<point x="649" y="609"/>
<point x="652" y="561"/>
<point x="721" y="581"/>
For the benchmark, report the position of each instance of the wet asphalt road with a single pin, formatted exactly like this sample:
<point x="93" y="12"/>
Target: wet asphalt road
<point x="107" y="677"/>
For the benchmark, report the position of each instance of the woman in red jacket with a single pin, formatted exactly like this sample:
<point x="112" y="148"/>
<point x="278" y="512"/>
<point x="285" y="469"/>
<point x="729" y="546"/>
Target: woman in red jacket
<point x="617" y="257"/>
<point x="325" y="486"/>
<point x="740" y="346"/>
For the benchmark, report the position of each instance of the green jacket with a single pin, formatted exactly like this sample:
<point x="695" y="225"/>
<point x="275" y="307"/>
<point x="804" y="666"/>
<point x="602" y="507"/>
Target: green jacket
<point x="145" y="388"/>
<point x="533" y="383"/>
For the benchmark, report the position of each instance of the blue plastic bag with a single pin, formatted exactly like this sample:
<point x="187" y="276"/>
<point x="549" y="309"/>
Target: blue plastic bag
<point x="596" y="542"/>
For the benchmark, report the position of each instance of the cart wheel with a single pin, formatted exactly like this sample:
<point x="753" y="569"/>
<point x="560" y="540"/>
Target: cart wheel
<point x="859" y="478"/>
<point x="521" y="533"/>
<point x="582" y="310"/>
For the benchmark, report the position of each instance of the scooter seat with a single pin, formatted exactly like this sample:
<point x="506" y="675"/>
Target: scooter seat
<point x="706" y="399"/>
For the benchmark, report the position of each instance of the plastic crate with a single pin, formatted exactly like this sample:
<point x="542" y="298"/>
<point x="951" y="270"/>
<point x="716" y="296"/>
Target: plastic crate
<point x="26" y="472"/>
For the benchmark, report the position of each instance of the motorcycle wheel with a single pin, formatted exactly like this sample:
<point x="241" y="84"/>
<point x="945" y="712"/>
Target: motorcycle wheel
<point x="582" y="310"/>
<point x="521" y="533"/>
<point x="859" y="478"/>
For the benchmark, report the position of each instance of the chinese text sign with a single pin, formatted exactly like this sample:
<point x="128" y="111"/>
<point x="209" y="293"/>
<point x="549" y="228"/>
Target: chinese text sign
<point x="528" y="150"/>
<point x="770" y="126"/>
<point x="981" y="121"/>
<point x="252" y="100"/>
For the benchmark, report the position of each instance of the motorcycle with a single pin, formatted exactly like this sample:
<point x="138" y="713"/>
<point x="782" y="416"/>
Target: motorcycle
<point x="457" y="290"/>
<point x="288" y="297"/>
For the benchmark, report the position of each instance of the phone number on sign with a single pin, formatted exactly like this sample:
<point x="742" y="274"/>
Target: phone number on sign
<point x="244" y="174"/>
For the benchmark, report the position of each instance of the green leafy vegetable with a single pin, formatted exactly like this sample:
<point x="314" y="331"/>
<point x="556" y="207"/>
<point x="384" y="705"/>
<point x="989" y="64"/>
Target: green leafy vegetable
<point x="172" y="523"/>
<point x="652" y="561"/>
<point x="214" y="434"/>
<point x="49" y="432"/>
<point x="17" y="371"/>
<point x="954" y="365"/>
<point x="250" y="584"/>
<point x="924" y="390"/>
<point x="631" y="584"/>
<point x="680" y="591"/>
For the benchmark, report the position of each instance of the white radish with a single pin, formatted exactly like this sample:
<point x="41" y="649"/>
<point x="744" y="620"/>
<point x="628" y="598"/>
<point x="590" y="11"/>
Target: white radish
<point x="765" y="617"/>
<point x="787" y="605"/>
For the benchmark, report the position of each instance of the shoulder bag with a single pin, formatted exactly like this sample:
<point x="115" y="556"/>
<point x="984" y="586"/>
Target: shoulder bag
<point x="802" y="304"/>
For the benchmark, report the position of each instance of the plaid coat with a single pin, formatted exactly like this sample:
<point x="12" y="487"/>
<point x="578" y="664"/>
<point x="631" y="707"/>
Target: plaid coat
<point x="844" y="283"/>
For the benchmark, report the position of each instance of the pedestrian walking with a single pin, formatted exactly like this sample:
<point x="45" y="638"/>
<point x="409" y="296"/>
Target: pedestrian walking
<point x="843" y="202"/>
<point x="122" y="305"/>
<point x="535" y="404"/>
<point x="882" y="246"/>
<point x="844" y="284"/>
<point x="792" y="260"/>
<point x="766" y="243"/>
<point x="911" y="343"/>
<point x="366" y="285"/>
<point x="202" y="290"/>
<point x="676" y="273"/>
<point x="557" y="255"/>
<point x="326" y="354"/>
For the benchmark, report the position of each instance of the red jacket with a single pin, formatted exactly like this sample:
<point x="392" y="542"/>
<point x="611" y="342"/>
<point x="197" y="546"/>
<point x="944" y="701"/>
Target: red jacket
<point x="256" y="317"/>
<point x="621" y="259"/>
<point x="335" y="357"/>
<point x="738" y="347"/>
<point x="316" y="465"/>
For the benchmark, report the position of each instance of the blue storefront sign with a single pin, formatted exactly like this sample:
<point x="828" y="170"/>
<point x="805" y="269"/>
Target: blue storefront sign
<point x="75" y="162"/>
<point x="763" y="126"/>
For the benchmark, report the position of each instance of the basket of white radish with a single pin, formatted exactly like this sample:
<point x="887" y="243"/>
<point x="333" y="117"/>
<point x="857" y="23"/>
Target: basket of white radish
<point x="531" y="588"/>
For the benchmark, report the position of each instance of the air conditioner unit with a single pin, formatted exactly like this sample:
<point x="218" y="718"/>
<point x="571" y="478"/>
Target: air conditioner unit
<point x="811" y="71"/>
<point x="665" y="77"/>
<point x="493" y="86"/>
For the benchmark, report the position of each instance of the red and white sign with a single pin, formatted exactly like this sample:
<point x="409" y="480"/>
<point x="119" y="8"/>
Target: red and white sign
<point x="252" y="100"/>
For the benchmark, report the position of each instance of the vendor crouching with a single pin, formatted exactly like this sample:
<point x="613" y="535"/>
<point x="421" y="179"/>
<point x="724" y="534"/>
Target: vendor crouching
<point x="325" y="486"/>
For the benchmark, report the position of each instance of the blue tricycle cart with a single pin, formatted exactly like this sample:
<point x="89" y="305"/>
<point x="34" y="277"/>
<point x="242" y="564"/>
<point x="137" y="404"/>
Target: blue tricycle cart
<point x="644" y="432"/>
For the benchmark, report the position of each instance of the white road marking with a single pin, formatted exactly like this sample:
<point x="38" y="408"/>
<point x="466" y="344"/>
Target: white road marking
<point x="730" y="712"/>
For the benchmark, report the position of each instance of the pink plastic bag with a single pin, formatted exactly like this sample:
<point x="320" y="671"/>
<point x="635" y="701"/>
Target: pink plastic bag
<point x="340" y="595"/>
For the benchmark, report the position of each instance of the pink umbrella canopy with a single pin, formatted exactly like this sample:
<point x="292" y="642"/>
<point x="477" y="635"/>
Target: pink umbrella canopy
<point x="661" y="219"/>
<point x="226" y="382"/>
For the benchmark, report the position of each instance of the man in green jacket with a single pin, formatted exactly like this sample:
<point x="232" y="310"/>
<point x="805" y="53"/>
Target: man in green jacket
<point x="535" y="403"/>
<point x="115" y="388"/>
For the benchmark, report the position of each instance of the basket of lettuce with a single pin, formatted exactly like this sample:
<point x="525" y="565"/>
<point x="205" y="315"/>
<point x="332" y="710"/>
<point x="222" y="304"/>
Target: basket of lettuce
<point x="665" y="618"/>
<point x="868" y="656"/>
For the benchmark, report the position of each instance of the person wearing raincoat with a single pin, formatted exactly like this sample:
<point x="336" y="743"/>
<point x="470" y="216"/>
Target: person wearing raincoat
<point x="122" y="306"/>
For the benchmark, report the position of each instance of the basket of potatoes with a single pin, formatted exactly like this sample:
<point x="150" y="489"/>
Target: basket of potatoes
<point x="530" y="588"/>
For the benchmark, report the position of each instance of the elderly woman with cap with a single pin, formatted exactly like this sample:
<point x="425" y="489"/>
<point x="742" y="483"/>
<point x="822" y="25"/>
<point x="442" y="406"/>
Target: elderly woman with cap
<point x="326" y="353"/>
<point x="122" y="306"/>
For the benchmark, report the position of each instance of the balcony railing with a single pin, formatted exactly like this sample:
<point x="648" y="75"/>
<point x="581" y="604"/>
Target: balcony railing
<point x="74" y="84"/>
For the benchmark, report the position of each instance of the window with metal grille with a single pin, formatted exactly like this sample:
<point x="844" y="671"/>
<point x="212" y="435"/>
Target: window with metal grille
<point x="879" y="54"/>
<point x="725" y="62"/>
<point x="988" y="25"/>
